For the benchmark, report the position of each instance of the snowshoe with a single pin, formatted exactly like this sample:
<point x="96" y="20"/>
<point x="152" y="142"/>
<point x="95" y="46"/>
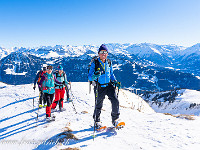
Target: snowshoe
<point x="49" y="119"/>
<point x="118" y="124"/>
<point x="69" y="100"/>
<point x="53" y="110"/>
<point x="62" y="109"/>
<point x="99" y="126"/>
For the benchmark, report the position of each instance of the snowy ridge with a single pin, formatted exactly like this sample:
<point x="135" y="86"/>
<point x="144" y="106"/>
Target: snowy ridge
<point x="195" y="49"/>
<point x="141" y="50"/>
<point x="182" y="101"/>
<point x="144" y="128"/>
<point x="4" y="52"/>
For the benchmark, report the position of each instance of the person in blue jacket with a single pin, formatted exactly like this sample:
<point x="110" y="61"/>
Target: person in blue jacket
<point x="47" y="83"/>
<point x="104" y="78"/>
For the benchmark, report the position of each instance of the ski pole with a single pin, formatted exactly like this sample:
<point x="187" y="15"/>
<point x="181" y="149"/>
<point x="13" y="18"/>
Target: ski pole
<point x="89" y="86"/>
<point x="95" y="110"/>
<point x="67" y="92"/>
<point x="38" y="105"/>
<point x="72" y="101"/>
<point x="118" y="89"/>
<point x="33" y="99"/>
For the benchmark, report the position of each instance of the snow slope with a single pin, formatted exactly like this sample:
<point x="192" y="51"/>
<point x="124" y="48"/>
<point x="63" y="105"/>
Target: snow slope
<point x="144" y="128"/>
<point x="186" y="102"/>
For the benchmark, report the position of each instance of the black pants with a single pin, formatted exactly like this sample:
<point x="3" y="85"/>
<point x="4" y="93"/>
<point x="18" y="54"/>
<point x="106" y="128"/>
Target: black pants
<point x="67" y="92"/>
<point x="110" y="92"/>
<point x="41" y="96"/>
<point x="49" y="99"/>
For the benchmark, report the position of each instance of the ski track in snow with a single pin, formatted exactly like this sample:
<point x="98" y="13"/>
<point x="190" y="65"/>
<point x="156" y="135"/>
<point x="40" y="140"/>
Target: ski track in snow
<point x="144" y="128"/>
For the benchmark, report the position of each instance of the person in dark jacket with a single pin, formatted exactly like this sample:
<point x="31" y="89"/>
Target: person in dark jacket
<point x="104" y="78"/>
<point x="41" y="94"/>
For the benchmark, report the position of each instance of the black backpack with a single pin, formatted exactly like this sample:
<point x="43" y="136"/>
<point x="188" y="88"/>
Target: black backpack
<point x="95" y="60"/>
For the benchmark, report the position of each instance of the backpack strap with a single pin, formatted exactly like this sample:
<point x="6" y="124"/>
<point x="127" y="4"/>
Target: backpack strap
<point x="96" y="62"/>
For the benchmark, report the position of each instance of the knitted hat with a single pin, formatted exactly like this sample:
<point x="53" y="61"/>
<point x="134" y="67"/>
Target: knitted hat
<point x="103" y="47"/>
<point x="60" y="67"/>
<point x="44" y="68"/>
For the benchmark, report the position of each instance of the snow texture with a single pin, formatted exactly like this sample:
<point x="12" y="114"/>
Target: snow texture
<point x="144" y="128"/>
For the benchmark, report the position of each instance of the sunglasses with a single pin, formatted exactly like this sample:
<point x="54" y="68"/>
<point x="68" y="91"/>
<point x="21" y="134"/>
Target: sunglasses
<point x="103" y="52"/>
<point x="49" y="69"/>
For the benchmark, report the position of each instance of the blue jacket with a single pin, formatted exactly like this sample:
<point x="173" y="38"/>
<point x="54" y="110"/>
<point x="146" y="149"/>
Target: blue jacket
<point x="106" y="73"/>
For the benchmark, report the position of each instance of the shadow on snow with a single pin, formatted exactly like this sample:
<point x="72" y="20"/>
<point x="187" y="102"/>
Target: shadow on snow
<point x="51" y="142"/>
<point x="23" y="100"/>
<point x="18" y="130"/>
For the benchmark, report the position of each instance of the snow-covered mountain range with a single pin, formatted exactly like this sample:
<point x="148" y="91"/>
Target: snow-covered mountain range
<point x="144" y="66"/>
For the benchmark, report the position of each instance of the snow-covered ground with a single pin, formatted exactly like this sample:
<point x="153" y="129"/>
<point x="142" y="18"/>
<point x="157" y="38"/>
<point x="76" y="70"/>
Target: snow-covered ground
<point x="144" y="128"/>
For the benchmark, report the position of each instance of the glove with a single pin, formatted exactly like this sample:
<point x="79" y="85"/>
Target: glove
<point x="118" y="84"/>
<point x="96" y="75"/>
<point x="34" y="87"/>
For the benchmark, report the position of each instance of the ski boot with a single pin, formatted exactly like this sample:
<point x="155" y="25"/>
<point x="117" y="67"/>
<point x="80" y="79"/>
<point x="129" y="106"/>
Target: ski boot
<point x="98" y="125"/>
<point x="69" y="100"/>
<point x="118" y="124"/>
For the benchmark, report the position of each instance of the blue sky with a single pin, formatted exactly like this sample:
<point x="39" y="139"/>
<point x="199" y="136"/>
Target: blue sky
<point x="32" y="23"/>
